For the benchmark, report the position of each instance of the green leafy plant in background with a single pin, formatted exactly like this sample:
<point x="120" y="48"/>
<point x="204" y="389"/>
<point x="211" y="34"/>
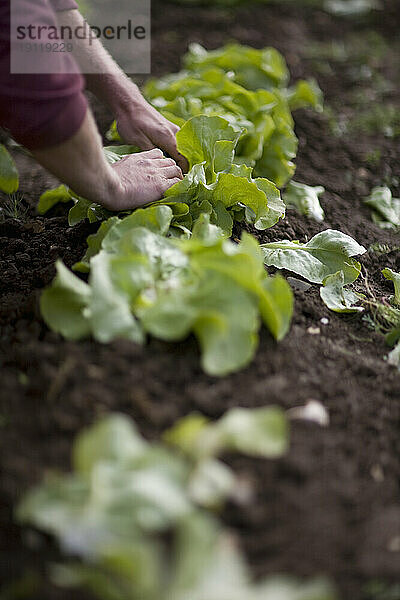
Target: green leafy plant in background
<point x="9" y="183"/>
<point x="143" y="282"/>
<point x="134" y="517"/>
<point x="305" y="199"/>
<point x="393" y="335"/>
<point x="385" y="210"/>
<point x="384" y="316"/>
<point x="326" y="259"/>
<point x="351" y="8"/>
<point x="248" y="87"/>
<point x="340" y="8"/>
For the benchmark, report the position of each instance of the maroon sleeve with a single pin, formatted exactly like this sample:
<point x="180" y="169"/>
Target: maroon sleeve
<point x="39" y="110"/>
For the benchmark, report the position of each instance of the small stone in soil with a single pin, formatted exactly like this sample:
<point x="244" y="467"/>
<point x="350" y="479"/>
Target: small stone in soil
<point x="314" y="330"/>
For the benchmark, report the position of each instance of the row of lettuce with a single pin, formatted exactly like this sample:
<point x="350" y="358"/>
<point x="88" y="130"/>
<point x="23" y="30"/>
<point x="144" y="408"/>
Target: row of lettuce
<point x="170" y="269"/>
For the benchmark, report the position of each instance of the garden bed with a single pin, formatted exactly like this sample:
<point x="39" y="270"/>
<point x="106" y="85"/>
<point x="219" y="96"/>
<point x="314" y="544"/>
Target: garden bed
<point x="331" y="505"/>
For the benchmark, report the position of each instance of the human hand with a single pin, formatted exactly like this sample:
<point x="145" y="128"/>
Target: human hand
<point x="141" y="178"/>
<point x="140" y="124"/>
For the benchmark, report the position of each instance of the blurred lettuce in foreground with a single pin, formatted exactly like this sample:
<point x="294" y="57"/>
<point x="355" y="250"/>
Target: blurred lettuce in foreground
<point x="132" y="514"/>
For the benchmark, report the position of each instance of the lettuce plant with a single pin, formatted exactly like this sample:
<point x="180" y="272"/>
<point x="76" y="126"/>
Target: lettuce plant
<point x="143" y="282"/>
<point x="134" y="518"/>
<point x="248" y="87"/>
<point x="305" y="199"/>
<point x="325" y="254"/>
<point x="385" y="209"/>
<point x="215" y="184"/>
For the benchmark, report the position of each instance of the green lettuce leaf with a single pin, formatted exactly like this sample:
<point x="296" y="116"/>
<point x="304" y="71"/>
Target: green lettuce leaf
<point x="52" y="197"/>
<point x="85" y="209"/>
<point x="259" y="432"/>
<point x="9" y="179"/>
<point x="325" y="254"/>
<point x="113" y="439"/>
<point x="209" y="140"/>
<point x="395" y="277"/>
<point x="385" y="208"/>
<point x="63" y="304"/>
<point x="305" y="94"/>
<point x="337" y="297"/>
<point x="253" y="69"/>
<point x="109" y="310"/>
<point x="94" y="243"/>
<point x="305" y="199"/>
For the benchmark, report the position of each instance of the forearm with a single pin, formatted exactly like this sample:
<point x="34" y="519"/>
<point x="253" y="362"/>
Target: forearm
<point x="108" y="82"/>
<point x="80" y="163"/>
<point x="137" y="121"/>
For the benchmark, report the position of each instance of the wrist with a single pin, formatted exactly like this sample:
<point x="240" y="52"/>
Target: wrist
<point x="121" y="94"/>
<point x="110" y="189"/>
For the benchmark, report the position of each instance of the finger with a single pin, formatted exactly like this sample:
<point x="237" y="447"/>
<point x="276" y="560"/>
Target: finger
<point x="173" y="181"/>
<point x="168" y="143"/>
<point x="153" y="153"/>
<point x="172" y="172"/>
<point x="145" y="144"/>
<point x="181" y="161"/>
<point x="166" y="162"/>
<point x="168" y="183"/>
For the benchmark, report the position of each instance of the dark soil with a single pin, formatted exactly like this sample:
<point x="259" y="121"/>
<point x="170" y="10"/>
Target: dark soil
<point x="331" y="505"/>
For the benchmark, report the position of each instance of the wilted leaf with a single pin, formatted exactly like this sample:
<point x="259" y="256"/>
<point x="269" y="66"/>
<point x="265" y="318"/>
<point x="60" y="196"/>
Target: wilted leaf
<point x="337" y="297"/>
